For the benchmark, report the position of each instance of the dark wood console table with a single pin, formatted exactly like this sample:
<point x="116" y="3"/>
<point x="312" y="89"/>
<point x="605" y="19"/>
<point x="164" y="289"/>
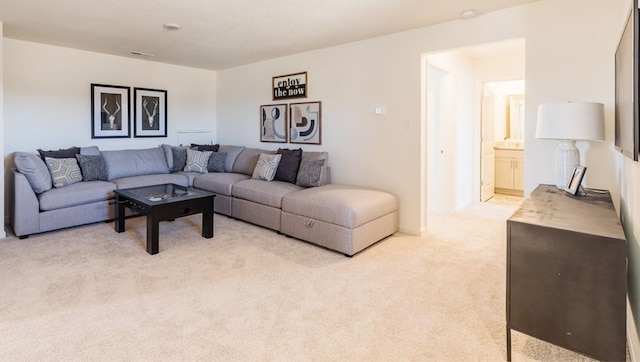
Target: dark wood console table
<point x="567" y="273"/>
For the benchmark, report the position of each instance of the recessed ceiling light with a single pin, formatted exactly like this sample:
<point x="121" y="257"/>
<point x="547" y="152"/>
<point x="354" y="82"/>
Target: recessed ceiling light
<point x="171" y="26"/>
<point x="468" y="14"/>
<point x="141" y="54"/>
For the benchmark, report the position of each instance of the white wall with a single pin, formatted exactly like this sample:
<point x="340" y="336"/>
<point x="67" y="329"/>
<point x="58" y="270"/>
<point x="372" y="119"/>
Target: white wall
<point x="47" y="96"/>
<point x="566" y="58"/>
<point x="2" y="132"/>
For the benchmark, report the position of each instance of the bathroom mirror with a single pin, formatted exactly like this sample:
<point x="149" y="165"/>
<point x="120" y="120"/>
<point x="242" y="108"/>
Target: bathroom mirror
<point x="515" y="117"/>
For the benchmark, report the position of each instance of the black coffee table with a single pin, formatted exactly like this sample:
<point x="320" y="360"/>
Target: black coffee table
<point x="164" y="202"/>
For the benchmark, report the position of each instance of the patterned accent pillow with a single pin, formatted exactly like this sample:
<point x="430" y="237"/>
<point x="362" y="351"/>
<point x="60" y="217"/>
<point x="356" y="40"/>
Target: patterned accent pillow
<point x="197" y="161"/>
<point x="216" y="162"/>
<point x="309" y="173"/>
<point x="35" y="170"/>
<point x="289" y="164"/>
<point x="266" y="167"/>
<point x="64" y="171"/>
<point x="92" y="167"/>
<point x="179" y="158"/>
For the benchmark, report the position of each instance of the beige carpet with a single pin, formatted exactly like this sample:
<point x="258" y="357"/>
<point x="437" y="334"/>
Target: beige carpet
<point x="91" y="294"/>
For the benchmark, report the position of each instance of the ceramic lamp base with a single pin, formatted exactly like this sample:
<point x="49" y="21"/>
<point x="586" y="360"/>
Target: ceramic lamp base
<point x="567" y="158"/>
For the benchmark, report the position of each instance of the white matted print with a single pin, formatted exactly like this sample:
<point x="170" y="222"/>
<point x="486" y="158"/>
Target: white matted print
<point x="305" y="123"/>
<point x="273" y="123"/>
<point x="150" y="112"/>
<point x="110" y="116"/>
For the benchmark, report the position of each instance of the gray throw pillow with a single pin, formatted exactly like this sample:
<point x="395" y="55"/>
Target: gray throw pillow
<point x="309" y="173"/>
<point x="93" y="168"/>
<point x="179" y="158"/>
<point x="70" y="152"/>
<point x="266" y="167"/>
<point x="34" y="169"/>
<point x="216" y="162"/>
<point x="212" y="148"/>
<point x="197" y="161"/>
<point x="289" y="165"/>
<point x="64" y="171"/>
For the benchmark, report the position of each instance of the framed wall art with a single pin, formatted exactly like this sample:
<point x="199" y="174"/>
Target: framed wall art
<point x="289" y="86"/>
<point x="273" y="123"/>
<point x="150" y="110"/>
<point x="305" y="120"/>
<point x="110" y="115"/>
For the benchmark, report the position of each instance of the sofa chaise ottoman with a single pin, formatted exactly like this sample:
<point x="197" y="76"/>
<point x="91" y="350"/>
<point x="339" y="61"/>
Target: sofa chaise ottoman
<point x="344" y="218"/>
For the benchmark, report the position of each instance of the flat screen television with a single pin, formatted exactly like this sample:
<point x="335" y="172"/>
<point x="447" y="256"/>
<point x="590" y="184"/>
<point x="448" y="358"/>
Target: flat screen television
<point x="627" y="112"/>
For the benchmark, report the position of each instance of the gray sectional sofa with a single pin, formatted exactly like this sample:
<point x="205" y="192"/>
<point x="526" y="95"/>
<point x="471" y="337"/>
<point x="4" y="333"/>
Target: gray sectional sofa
<point x="339" y="217"/>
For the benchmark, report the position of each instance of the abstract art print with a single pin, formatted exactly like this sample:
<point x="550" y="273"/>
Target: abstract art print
<point x="305" y="123"/>
<point x="150" y="110"/>
<point x="110" y="117"/>
<point x="273" y="123"/>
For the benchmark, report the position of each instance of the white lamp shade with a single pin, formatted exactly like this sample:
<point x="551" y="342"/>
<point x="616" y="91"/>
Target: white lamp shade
<point x="571" y="121"/>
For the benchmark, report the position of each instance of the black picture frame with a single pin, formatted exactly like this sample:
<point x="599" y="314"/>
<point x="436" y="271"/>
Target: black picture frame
<point x="150" y="112"/>
<point x="289" y="86"/>
<point x="574" y="185"/>
<point x="110" y="111"/>
<point x="305" y="123"/>
<point x="274" y="125"/>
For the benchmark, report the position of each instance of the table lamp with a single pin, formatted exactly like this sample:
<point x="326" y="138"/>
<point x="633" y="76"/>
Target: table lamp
<point x="568" y="122"/>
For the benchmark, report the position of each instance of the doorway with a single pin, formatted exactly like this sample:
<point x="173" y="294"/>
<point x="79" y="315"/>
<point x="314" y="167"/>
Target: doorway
<point x="458" y="162"/>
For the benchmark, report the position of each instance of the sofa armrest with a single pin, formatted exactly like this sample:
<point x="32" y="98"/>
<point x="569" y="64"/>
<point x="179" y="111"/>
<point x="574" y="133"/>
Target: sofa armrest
<point x="25" y="207"/>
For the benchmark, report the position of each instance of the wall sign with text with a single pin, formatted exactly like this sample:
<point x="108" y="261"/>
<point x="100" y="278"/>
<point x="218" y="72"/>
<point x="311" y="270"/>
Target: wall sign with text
<point x="290" y="86"/>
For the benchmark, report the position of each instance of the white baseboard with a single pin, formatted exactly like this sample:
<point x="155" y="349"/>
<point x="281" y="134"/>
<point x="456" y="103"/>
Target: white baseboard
<point x="632" y="335"/>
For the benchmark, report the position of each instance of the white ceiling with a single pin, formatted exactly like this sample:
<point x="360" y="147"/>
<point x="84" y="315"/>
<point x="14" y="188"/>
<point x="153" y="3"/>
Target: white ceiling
<point x="218" y="34"/>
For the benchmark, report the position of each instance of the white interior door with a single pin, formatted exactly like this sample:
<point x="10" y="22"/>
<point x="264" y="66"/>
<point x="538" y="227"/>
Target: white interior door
<point x="487" y="152"/>
<point x="437" y="170"/>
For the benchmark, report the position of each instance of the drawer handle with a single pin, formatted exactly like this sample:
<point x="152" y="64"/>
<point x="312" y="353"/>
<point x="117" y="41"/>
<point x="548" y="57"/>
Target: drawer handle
<point x="185" y="210"/>
<point x="310" y="223"/>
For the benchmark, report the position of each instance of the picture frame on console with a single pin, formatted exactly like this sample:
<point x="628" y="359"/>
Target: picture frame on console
<point x="110" y="111"/>
<point x="274" y="125"/>
<point x="573" y="187"/>
<point x="150" y="112"/>
<point x="305" y="123"/>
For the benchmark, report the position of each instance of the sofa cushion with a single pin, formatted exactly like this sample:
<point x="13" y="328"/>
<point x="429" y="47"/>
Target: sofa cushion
<point x="76" y="194"/>
<point x="197" y="161"/>
<point x="135" y="162"/>
<point x="34" y="169"/>
<point x="220" y="183"/>
<point x="64" y="171"/>
<point x="232" y="155"/>
<point x="216" y="162"/>
<point x="310" y="172"/>
<point x="148" y="180"/>
<point x="93" y="168"/>
<point x="289" y="165"/>
<point x="70" y="152"/>
<point x="247" y="159"/>
<point x="266" y="167"/>
<point x="344" y="205"/>
<point x="212" y="148"/>
<point x="90" y="151"/>
<point x="263" y="192"/>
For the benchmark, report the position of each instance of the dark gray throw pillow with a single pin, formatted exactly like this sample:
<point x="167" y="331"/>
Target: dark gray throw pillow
<point x="70" y="152"/>
<point x="212" y="148"/>
<point x="309" y="173"/>
<point x="216" y="162"/>
<point x="93" y="167"/>
<point x="179" y="158"/>
<point x="289" y="164"/>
